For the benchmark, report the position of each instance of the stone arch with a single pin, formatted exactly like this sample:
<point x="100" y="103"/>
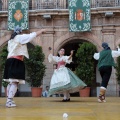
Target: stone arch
<point x="87" y="36"/>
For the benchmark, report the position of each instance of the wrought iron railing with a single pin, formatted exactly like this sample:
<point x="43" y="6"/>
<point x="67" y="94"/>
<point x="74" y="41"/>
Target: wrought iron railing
<point x="60" y="4"/>
<point x="50" y="4"/>
<point x="105" y="3"/>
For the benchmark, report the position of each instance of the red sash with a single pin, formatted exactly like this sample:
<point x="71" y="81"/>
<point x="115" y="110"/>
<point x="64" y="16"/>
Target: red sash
<point x="60" y="64"/>
<point x="20" y="57"/>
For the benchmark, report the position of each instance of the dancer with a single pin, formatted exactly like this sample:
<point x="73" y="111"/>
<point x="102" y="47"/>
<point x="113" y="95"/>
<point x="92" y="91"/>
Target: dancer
<point x="105" y="63"/>
<point x="64" y="80"/>
<point x="14" y="71"/>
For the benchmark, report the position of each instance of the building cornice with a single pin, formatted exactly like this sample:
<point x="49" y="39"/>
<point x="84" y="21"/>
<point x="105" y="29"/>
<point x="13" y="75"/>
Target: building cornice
<point x="37" y="12"/>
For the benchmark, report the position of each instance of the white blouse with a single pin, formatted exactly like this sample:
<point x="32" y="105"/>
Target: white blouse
<point x="114" y="54"/>
<point x="58" y="59"/>
<point x="17" y="46"/>
<point x="25" y="38"/>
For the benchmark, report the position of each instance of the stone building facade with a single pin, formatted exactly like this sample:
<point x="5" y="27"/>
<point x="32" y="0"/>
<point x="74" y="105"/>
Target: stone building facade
<point x="105" y="21"/>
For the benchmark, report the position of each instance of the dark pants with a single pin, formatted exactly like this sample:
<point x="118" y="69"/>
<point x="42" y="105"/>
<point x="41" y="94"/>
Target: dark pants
<point x="105" y="72"/>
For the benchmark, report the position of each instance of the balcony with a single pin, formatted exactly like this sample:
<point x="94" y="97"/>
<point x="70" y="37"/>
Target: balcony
<point x="60" y="4"/>
<point x="105" y="3"/>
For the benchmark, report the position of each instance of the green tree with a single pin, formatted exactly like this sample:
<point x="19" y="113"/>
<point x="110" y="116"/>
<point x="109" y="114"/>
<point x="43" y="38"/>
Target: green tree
<point x="86" y="63"/>
<point x="3" y="57"/>
<point x="118" y="70"/>
<point x="35" y="67"/>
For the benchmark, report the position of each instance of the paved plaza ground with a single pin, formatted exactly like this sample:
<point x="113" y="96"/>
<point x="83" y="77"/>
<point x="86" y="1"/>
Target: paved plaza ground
<point x="29" y="108"/>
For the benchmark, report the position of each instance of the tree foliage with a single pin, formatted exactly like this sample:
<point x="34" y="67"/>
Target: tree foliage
<point x="35" y="66"/>
<point x="86" y="63"/>
<point x="3" y="57"/>
<point x="118" y="70"/>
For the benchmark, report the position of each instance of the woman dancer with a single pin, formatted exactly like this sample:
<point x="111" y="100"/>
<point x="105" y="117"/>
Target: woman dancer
<point x="63" y="79"/>
<point x="105" y="63"/>
<point x="14" y="71"/>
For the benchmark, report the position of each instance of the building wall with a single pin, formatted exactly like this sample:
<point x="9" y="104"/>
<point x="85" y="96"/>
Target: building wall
<point x="104" y="29"/>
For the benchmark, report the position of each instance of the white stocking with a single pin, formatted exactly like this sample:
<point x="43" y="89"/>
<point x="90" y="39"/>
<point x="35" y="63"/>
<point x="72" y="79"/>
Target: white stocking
<point x="8" y="88"/>
<point x="68" y="95"/>
<point x="65" y="95"/>
<point x="12" y="90"/>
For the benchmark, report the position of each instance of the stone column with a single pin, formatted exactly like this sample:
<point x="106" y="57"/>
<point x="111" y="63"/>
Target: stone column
<point x="5" y="5"/>
<point x="33" y="4"/>
<point x="48" y="41"/>
<point x="94" y="3"/>
<point x="62" y="4"/>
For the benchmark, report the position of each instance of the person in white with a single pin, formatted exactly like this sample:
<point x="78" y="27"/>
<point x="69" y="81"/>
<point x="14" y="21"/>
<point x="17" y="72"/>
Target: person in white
<point x="63" y="79"/>
<point x="14" y="71"/>
<point x="105" y="63"/>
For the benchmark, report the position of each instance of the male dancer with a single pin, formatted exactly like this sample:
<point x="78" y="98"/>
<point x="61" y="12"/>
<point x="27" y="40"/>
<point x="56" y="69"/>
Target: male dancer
<point x="105" y="63"/>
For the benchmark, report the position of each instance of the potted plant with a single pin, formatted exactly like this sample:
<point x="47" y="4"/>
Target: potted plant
<point x="86" y="66"/>
<point x="35" y="70"/>
<point x="3" y="57"/>
<point x="118" y="72"/>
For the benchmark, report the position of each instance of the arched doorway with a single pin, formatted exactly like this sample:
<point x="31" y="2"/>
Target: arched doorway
<point x="74" y="45"/>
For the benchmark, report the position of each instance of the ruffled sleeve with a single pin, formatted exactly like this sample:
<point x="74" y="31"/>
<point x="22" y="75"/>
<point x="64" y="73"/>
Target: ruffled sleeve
<point x="116" y="53"/>
<point x="65" y="59"/>
<point x="52" y="58"/>
<point x="96" y="56"/>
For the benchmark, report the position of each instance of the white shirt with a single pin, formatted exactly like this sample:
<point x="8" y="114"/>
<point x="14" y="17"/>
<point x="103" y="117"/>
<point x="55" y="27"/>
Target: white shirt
<point x="114" y="54"/>
<point x="17" y="46"/>
<point x="25" y="38"/>
<point x="58" y="59"/>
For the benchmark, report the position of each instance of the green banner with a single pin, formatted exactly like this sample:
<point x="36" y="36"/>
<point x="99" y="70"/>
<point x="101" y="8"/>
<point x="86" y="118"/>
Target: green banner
<point x="79" y="15"/>
<point x="18" y="14"/>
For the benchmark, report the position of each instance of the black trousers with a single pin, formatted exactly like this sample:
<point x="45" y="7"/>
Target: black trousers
<point x="105" y="72"/>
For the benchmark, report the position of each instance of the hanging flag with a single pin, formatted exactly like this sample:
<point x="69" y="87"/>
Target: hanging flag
<point x="79" y="15"/>
<point x="18" y="14"/>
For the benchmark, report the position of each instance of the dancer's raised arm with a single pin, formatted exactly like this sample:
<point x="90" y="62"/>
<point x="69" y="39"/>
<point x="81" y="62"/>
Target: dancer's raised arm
<point x="72" y="51"/>
<point x="51" y="57"/>
<point x="25" y="38"/>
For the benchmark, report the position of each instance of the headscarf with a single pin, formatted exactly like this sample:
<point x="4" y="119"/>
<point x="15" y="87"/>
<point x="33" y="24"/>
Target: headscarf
<point x="17" y="29"/>
<point x="105" y="45"/>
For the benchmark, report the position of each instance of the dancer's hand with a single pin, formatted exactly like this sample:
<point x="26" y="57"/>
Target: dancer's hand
<point x="39" y="32"/>
<point x="72" y="51"/>
<point x="43" y="30"/>
<point x="118" y="47"/>
<point x="50" y="48"/>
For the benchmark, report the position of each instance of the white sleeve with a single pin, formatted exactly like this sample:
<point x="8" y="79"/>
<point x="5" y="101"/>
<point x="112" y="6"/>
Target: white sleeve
<point x="96" y="56"/>
<point x="25" y="38"/>
<point x="52" y="58"/>
<point x="66" y="59"/>
<point x="116" y="53"/>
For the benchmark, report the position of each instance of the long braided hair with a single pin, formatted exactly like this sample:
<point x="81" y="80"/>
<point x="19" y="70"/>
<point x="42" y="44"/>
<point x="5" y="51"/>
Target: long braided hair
<point x="13" y="35"/>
